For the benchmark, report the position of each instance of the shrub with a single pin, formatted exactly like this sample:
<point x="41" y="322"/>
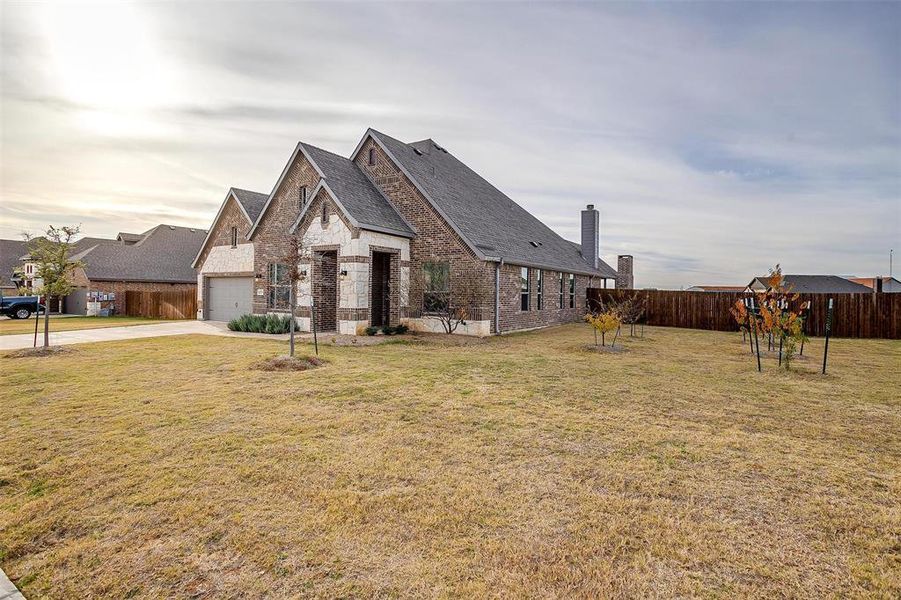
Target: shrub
<point x="401" y="329"/>
<point x="371" y="330"/>
<point x="261" y="324"/>
<point x="388" y="330"/>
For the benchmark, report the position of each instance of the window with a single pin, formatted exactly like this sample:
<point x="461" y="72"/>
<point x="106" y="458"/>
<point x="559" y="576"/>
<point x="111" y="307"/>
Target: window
<point x="572" y="290"/>
<point x="279" y="287"/>
<point x="372" y="156"/>
<point x="324" y="212"/>
<point x="540" y="288"/>
<point x="302" y="196"/>
<point x="436" y="292"/>
<point x="234" y="237"/>
<point x="524" y="288"/>
<point x="560" y="278"/>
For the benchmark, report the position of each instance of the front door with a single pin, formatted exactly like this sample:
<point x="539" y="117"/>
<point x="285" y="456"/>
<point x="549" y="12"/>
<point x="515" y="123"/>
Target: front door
<point x="325" y="289"/>
<point x="381" y="289"/>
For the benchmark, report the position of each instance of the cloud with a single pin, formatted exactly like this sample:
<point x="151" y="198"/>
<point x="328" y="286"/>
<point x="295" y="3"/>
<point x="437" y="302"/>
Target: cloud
<point x="715" y="139"/>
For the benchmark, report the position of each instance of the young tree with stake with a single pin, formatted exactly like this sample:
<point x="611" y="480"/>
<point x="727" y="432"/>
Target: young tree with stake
<point x="50" y="255"/>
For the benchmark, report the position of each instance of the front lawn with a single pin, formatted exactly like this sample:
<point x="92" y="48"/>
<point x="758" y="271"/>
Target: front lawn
<point x="517" y="466"/>
<point x="14" y="326"/>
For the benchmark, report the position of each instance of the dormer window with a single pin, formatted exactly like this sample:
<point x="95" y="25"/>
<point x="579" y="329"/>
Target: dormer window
<point x="302" y="196"/>
<point x="372" y="156"/>
<point x="234" y="237"/>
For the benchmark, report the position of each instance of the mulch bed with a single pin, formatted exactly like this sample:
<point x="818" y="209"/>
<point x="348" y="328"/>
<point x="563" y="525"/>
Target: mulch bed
<point x="288" y="363"/>
<point x="40" y="351"/>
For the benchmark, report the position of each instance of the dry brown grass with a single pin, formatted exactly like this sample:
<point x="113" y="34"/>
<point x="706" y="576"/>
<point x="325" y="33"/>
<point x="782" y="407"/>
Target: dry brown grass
<point x="522" y="466"/>
<point x="15" y="326"/>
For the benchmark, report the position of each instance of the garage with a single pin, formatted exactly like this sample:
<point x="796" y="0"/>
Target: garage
<point x="228" y="297"/>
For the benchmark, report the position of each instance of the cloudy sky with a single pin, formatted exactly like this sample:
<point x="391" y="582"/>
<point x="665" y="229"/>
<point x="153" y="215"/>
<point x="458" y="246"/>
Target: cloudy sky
<point x="717" y="139"/>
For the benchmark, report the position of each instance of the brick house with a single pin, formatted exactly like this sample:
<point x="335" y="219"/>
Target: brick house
<point x="157" y="260"/>
<point x="394" y="233"/>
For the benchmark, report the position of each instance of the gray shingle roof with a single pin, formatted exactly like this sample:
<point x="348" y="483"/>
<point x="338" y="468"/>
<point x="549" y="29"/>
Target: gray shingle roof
<point x="253" y="202"/>
<point x="354" y="190"/>
<point x="11" y="252"/>
<point x="486" y="217"/>
<point x="164" y="254"/>
<point x="818" y="284"/>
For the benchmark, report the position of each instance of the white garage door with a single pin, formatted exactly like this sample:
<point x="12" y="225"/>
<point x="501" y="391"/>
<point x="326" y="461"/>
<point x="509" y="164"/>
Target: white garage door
<point x="229" y="297"/>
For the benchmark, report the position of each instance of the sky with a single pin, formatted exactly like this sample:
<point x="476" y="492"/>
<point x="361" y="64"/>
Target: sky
<point x="717" y="139"/>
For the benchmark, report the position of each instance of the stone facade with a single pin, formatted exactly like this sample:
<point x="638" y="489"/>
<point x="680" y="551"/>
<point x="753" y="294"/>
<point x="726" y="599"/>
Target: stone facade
<point x="219" y="258"/>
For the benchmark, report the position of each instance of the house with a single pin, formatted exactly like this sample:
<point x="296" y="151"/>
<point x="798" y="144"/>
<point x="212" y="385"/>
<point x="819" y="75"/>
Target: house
<point x="887" y="285"/>
<point x="156" y="260"/>
<point x="811" y="284"/>
<point x="395" y="233"/>
<point x="11" y="252"/>
<point x="716" y="288"/>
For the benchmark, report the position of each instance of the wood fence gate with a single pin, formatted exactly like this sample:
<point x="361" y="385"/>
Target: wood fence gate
<point x="177" y="304"/>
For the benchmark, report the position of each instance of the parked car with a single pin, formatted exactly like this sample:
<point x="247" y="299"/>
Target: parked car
<point x="20" y="307"/>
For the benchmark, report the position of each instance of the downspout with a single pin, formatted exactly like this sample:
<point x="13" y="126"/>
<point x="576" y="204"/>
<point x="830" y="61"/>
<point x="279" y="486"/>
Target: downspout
<point x="497" y="297"/>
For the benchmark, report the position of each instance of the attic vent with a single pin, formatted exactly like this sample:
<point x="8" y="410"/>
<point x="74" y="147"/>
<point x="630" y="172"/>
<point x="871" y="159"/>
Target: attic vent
<point x="417" y="151"/>
<point x="535" y="244"/>
<point x="440" y="148"/>
<point x="172" y="227"/>
<point x="192" y="230"/>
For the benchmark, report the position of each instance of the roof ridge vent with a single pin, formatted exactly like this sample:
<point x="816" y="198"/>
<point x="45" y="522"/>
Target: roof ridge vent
<point x="172" y="227"/>
<point x="417" y="151"/>
<point x="535" y="244"/>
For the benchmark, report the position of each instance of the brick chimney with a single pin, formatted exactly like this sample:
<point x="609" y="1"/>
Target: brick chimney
<point x="591" y="231"/>
<point x="624" y="277"/>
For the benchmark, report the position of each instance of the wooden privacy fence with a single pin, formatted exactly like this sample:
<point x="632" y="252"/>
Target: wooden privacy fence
<point x="176" y="304"/>
<point x="854" y="315"/>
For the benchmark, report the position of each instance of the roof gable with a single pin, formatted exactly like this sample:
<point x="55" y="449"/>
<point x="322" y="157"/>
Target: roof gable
<point x="493" y="225"/>
<point x="234" y="194"/>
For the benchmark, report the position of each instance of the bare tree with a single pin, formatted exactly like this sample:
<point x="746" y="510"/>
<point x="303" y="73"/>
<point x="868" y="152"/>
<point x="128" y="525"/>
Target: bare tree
<point x="452" y="301"/>
<point x="50" y="254"/>
<point x="298" y="256"/>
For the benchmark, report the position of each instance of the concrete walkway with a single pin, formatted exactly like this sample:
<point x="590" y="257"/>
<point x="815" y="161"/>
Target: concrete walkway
<point x="7" y="590"/>
<point x="109" y="334"/>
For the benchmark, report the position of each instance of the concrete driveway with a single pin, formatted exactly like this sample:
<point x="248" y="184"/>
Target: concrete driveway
<point x="109" y="334"/>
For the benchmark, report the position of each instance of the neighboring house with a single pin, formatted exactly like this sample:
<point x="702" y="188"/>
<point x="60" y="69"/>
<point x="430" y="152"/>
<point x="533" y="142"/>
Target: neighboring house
<point x="157" y="260"/>
<point x="11" y="252"/>
<point x="716" y="288"/>
<point x="811" y="284"/>
<point x="396" y="232"/>
<point x="888" y="285"/>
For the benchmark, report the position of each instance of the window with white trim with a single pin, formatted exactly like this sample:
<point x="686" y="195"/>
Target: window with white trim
<point x="436" y="292"/>
<point x="524" y="289"/>
<point x="302" y="196"/>
<point x="572" y="290"/>
<point x="560" y="283"/>
<point x="279" y="287"/>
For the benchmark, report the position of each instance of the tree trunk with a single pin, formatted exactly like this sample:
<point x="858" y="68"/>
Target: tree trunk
<point x="46" y="321"/>
<point x="291" y="325"/>
<point x="313" y="322"/>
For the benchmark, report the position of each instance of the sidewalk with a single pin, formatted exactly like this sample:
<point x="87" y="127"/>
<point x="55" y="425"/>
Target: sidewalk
<point x="7" y="590"/>
<point x="109" y="334"/>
